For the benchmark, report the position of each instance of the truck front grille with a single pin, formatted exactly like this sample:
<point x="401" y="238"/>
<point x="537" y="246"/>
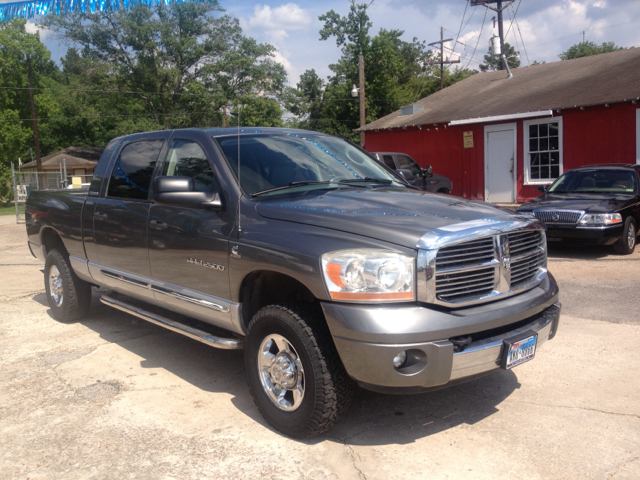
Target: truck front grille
<point x="488" y="267"/>
<point x="465" y="270"/>
<point x="558" y="217"/>
<point x="528" y="254"/>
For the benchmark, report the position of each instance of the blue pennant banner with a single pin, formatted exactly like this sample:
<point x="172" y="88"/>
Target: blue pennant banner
<point x="29" y="9"/>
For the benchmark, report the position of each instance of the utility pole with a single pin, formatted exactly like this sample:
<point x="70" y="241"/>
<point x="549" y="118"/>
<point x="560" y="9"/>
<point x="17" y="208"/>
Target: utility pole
<point x="361" y="92"/>
<point x="498" y="8"/>
<point x="442" y="60"/>
<point x="34" y="121"/>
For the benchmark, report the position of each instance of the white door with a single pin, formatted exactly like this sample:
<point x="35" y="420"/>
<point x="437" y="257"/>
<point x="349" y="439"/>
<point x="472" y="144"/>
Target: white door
<point x="500" y="163"/>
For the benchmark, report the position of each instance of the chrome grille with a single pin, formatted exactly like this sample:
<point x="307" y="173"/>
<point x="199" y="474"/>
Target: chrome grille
<point x="526" y="269"/>
<point x="465" y="254"/>
<point x="528" y="254"/>
<point x="453" y="286"/>
<point x="485" y="268"/>
<point x="558" y="217"/>
<point x="470" y="257"/>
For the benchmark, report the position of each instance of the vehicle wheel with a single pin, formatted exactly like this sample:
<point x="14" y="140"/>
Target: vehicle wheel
<point x="627" y="243"/>
<point x="296" y="377"/>
<point x="68" y="296"/>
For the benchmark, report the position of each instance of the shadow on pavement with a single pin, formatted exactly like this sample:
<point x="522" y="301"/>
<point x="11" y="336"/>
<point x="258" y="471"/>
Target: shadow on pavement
<point x="373" y="419"/>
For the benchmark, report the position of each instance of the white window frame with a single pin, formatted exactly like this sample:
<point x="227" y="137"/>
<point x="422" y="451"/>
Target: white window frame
<point x="527" y="157"/>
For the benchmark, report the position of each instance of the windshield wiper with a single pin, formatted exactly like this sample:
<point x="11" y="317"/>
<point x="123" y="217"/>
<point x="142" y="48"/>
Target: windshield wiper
<point x="384" y="181"/>
<point x="292" y="184"/>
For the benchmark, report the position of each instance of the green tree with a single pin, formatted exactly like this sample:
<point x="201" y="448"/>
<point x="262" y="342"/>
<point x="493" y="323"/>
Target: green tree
<point x="16" y="135"/>
<point x="495" y="63"/>
<point x="586" y="49"/>
<point x="182" y="62"/>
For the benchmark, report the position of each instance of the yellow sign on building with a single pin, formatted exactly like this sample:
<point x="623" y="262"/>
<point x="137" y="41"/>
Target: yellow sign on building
<point x="468" y="139"/>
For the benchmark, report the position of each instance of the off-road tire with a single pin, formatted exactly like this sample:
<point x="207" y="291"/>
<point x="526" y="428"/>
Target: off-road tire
<point x="328" y="388"/>
<point x="76" y="299"/>
<point x="622" y="246"/>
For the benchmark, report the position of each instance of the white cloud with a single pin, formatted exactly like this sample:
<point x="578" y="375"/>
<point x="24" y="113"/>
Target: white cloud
<point x="280" y="20"/>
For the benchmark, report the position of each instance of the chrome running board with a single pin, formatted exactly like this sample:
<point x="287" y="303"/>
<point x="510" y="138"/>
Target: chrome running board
<point x="196" y="334"/>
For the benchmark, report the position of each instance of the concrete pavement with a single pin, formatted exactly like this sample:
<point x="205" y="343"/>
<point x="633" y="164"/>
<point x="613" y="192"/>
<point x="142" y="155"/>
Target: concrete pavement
<point x="115" y="397"/>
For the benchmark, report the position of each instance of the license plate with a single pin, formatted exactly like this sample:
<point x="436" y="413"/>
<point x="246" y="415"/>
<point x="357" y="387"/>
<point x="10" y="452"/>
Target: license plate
<point x="519" y="349"/>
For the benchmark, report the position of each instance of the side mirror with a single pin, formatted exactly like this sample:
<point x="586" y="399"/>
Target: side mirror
<point x="543" y="188"/>
<point x="178" y="192"/>
<point x="406" y="175"/>
<point x="429" y="171"/>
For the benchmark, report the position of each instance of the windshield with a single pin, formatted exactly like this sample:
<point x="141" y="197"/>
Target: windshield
<point x="595" y="181"/>
<point x="271" y="161"/>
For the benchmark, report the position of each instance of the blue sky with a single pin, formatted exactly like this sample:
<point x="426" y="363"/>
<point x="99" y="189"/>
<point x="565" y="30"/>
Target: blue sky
<point x="546" y="27"/>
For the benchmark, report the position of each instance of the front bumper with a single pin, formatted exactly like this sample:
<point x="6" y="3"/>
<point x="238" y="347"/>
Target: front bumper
<point x="368" y="338"/>
<point x="605" y="235"/>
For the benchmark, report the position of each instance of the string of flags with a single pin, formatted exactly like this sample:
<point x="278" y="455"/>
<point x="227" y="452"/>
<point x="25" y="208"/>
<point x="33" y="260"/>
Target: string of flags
<point x="29" y="9"/>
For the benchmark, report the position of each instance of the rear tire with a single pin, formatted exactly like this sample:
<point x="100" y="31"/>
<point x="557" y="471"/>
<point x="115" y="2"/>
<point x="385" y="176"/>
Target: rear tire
<point x="69" y="297"/>
<point x="296" y="377"/>
<point x="627" y="243"/>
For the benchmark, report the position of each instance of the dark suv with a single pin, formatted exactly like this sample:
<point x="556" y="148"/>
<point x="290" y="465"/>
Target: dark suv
<point x="414" y="174"/>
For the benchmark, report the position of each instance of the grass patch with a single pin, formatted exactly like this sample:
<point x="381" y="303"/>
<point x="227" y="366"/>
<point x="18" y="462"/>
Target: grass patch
<point x="10" y="209"/>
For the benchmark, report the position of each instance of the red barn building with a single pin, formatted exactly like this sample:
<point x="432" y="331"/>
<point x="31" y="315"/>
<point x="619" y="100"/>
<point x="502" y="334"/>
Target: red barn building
<point x="498" y="139"/>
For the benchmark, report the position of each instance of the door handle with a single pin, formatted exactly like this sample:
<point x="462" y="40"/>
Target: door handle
<point x="158" y="225"/>
<point x="101" y="215"/>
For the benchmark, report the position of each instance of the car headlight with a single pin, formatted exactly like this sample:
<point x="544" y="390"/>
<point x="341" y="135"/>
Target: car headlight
<point x="369" y="275"/>
<point x="600" y="219"/>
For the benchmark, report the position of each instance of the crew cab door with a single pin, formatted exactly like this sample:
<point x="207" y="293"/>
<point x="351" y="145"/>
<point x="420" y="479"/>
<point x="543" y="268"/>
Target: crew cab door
<point x="188" y="246"/>
<point x="407" y="163"/>
<point x="120" y="217"/>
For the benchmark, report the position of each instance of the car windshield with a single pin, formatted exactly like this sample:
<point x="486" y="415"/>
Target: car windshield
<point x="595" y="181"/>
<point x="301" y="162"/>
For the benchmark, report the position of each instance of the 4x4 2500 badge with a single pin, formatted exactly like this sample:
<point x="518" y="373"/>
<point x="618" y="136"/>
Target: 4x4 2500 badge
<point x="214" y="266"/>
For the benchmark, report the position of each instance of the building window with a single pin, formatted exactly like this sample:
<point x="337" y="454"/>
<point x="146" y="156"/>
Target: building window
<point x="542" y="150"/>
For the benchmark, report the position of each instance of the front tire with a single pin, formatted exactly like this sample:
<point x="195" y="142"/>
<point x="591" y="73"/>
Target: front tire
<point x="627" y="243"/>
<point x="69" y="297"/>
<point x="296" y="377"/>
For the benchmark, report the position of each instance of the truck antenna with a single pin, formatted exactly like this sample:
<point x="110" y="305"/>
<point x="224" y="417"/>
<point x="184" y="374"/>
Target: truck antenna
<point x="239" y="182"/>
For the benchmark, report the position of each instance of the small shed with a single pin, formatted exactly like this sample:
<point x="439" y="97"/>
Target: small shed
<point x="79" y="161"/>
<point x="498" y="139"/>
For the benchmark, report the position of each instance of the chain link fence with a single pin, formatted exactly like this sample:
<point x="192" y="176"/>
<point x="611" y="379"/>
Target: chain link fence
<point x="26" y="182"/>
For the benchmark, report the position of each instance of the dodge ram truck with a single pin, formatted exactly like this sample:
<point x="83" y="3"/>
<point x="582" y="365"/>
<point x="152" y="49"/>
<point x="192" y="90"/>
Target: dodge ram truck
<point x="321" y="263"/>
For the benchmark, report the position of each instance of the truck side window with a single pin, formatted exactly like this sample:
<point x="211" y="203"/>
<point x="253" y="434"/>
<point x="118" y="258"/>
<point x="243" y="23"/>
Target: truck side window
<point x="409" y="163"/>
<point x="187" y="159"/>
<point x="132" y="172"/>
<point x="388" y="161"/>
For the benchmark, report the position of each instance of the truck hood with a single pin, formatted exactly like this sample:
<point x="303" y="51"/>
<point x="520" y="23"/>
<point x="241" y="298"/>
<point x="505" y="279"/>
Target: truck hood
<point x="590" y="203"/>
<point x="395" y="215"/>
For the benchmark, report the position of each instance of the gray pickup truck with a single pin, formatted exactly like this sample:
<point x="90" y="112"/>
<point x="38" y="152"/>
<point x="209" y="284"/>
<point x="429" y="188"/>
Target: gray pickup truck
<point x="327" y="268"/>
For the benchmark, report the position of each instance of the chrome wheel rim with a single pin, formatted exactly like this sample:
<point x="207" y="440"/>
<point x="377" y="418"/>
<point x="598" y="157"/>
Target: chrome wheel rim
<point x="55" y="285"/>
<point x="631" y="237"/>
<point x="281" y="373"/>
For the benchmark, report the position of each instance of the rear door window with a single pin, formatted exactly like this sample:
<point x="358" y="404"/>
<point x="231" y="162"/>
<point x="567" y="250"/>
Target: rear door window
<point x="409" y="163"/>
<point x="388" y="161"/>
<point x="133" y="170"/>
<point x="187" y="159"/>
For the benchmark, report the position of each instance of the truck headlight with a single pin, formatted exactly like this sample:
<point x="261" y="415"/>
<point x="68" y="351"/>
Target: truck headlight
<point x="369" y="275"/>
<point x="600" y="219"/>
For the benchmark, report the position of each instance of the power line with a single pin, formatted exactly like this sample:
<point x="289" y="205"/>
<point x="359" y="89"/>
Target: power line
<point x="521" y="38"/>
<point x="466" y="5"/>
<point x="275" y="97"/>
<point x="479" y="35"/>
<point x="514" y="17"/>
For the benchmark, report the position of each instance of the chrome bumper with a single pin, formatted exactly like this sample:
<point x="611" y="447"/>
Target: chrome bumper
<point x="484" y="355"/>
<point x="435" y="363"/>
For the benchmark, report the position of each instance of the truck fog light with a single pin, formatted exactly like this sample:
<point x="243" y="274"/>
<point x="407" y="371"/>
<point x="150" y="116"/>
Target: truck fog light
<point x="400" y="359"/>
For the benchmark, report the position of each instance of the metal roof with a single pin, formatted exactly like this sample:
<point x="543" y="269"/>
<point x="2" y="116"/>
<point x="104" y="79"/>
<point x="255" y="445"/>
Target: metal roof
<point x="595" y="80"/>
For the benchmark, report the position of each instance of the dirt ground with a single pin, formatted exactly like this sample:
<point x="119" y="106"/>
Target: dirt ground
<point x="115" y="397"/>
